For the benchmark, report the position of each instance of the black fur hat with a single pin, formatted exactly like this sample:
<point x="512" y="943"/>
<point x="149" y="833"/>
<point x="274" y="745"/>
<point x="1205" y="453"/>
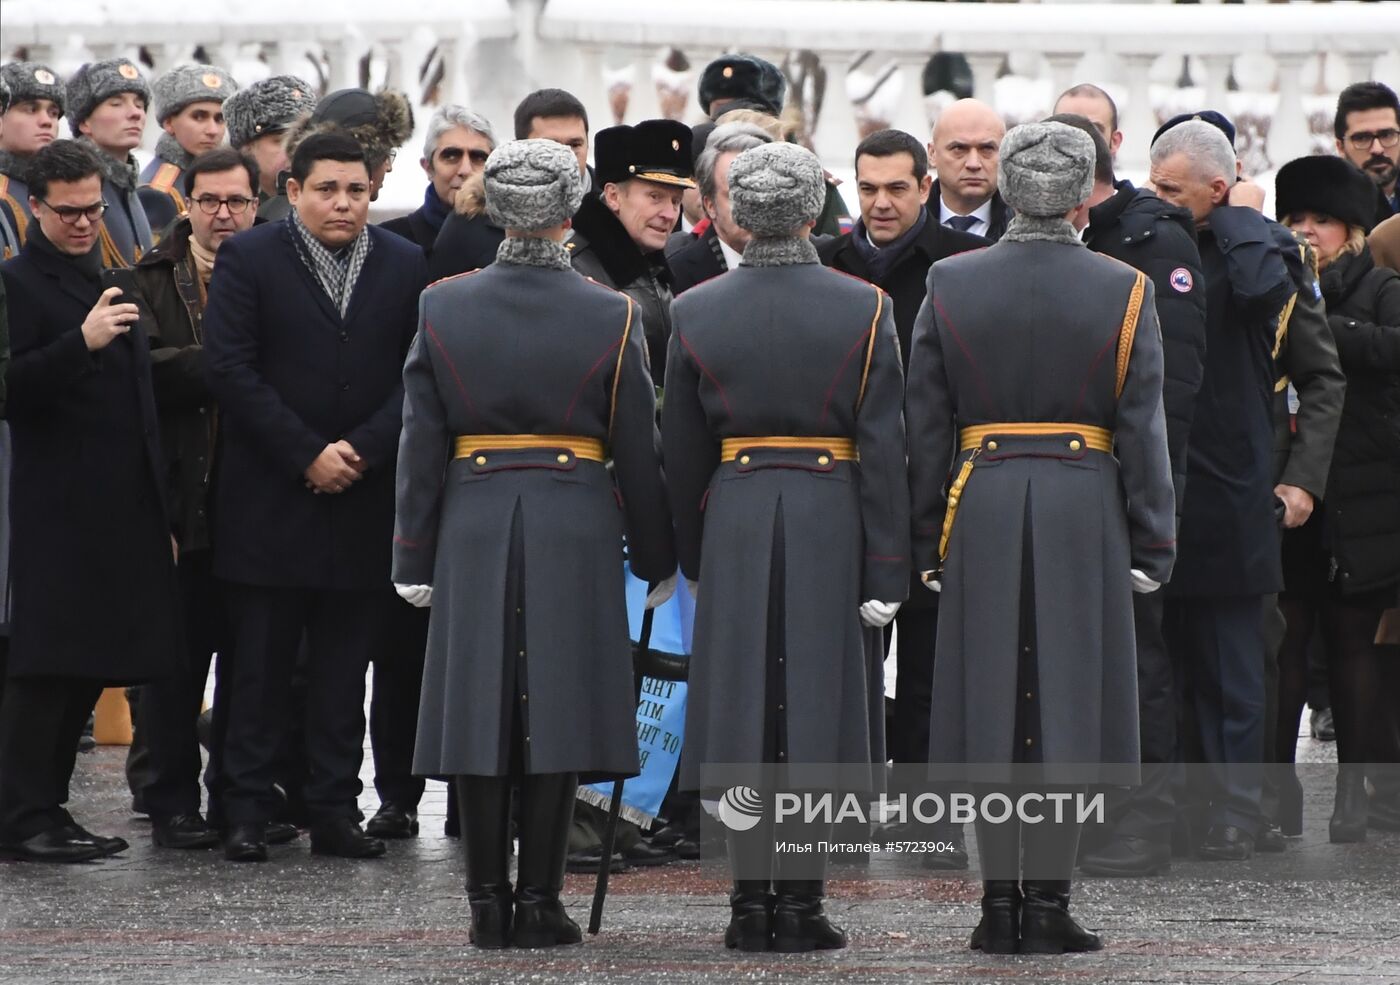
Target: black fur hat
<point x="1327" y="185"/>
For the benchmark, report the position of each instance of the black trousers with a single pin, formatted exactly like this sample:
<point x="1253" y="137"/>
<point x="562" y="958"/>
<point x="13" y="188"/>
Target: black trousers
<point x="41" y="719"/>
<point x="913" y="703"/>
<point x="169" y="708"/>
<point x="343" y="630"/>
<point x="1217" y="649"/>
<point x="1147" y="810"/>
<point x="393" y="707"/>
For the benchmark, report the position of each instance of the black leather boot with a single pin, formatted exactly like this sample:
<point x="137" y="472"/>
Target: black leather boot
<point x="1046" y="925"/>
<point x="999" y="849"/>
<point x="751" y="902"/>
<point x="798" y="921"/>
<point x="1348" y="823"/>
<point x="999" y="931"/>
<point x="546" y="811"/>
<point x="486" y="844"/>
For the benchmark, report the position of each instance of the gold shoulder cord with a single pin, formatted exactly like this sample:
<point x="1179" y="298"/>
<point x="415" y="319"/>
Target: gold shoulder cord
<point x="617" y="370"/>
<point x="870" y="346"/>
<point x="1128" y="332"/>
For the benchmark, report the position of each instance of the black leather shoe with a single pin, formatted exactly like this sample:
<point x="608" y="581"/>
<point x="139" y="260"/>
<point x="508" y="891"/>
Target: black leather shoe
<point x="1226" y="843"/>
<point x="750" y="917"/>
<point x="1321" y="726"/>
<point x="953" y="858"/>
<point x="246" y="843"/>
<point x="54" y="845"/>
<point x="687" y="850"/>
<point x="1348" y="822"/>
<point x="590" y="859"/>
<point x="281" y="832"/>
<point x="1128" y="857"/>
<point x="183" y="831"/>
<point x="1046" y="924"/>
<point x="667" y="835"/>
<point x="798" y="921"/>
<point x="1270" y="839"/>
<point x="999" y="930"/>
<point x="344" y="838"/>
<point x="641" y="853"/>
<point x="393" y="821"/>
<point x="110" y="844"/>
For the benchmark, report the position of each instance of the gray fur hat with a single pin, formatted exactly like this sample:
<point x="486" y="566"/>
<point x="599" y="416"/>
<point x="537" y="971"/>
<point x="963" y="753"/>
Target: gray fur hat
<point x="269" y="106"/>
<point x="1046" y="169"/>
<point x="775" y="188"/>
<point x="31" y="80"/>
<point x="187" y="84"/>
<point x="532" y="185"/>
<point x="96" y="81"/>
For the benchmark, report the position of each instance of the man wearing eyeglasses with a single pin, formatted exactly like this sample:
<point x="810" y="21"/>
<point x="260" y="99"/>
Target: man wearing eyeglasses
<point x="1368" y="135"/>
<point x="96" y="603"/>
<point x="457" y="145"/>
<point x="220" y="187"/>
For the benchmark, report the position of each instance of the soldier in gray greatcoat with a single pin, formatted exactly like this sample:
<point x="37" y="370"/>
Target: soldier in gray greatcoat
<point x="1046" y="405"/>
<point x="784" y="447"/>
<point x="524" y="377"/>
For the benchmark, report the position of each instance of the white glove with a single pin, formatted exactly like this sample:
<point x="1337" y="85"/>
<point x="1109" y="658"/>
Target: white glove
<point x="661" y="593"/>
<point x="930" y="582"/>
<point x="693" y="587"/>
<point x="1142" y="584"/>
<point x="417" y="596"/>
<point x="877" y="614"/>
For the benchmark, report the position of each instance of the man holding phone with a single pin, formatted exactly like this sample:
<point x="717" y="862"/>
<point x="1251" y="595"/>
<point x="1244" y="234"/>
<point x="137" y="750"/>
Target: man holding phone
<point x="86" y="504"/>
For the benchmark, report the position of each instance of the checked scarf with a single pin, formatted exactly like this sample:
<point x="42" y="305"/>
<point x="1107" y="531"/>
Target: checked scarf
<point x="335" y="270"/>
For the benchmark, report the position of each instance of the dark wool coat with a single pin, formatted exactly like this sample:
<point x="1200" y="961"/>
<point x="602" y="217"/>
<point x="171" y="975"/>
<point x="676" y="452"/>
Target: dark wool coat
<point x="514" y="350"/>
<point x="786" y="546"/>
<point x="94" y="589"/>
<point x="170" y="285"/>
<point x="291" y="376"/>
<point x="1229" y="541"/>
<point x="1036" y="615"/>
<point x="464" y="243"/>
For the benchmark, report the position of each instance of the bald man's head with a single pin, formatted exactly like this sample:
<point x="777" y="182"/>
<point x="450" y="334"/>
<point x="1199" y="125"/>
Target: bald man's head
<point x="966" y="141"/>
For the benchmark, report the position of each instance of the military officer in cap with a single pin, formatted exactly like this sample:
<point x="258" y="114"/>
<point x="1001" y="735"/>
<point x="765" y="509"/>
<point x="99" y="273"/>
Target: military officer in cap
<point x="107" y="104"/>
<point x="1060" y="507"/>
<point x="523" y="381"/>
<point x="9" y="239"/>
<point x="620" y="233"/>
<point x="28" y="123"/>
<point x="258" y="118"/>
<point x="189" y="106"/>
<point x="783" y="437"/>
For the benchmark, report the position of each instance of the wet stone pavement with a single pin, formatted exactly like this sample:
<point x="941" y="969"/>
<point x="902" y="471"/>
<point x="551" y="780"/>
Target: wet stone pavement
<point x="1318" y="914"/>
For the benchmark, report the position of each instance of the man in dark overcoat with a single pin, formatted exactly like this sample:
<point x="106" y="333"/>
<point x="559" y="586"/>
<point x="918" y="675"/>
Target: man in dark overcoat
<point x="1045" y="405"/>
<point x="1228" y="558"/>
<point x="720" y="245"/>
<point x="87" y="507"/>
<point x="307" y="326"/>
<point x="221" y="188"/>
<point x="784" y="444"/>
<point x="523" y="379"/>
<point x="1158" y="238"/>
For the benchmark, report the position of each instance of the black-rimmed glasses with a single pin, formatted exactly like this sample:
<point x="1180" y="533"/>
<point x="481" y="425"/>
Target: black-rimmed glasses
<point x="210" y="204"/>
<point x="69" y="214"/>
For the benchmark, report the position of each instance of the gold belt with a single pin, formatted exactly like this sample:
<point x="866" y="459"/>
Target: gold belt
<point x="1077" y="437"/>
<point x="841" y="449"/>
<point x="473" y="444"/>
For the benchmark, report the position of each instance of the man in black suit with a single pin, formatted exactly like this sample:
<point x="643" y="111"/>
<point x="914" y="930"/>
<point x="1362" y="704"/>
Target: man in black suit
<point x="308" y="324"/>
<point x="893" y="244"/>
<point x="90" y="532"/>
<point x="721" y="245"/>
<point x="963" y="150"/>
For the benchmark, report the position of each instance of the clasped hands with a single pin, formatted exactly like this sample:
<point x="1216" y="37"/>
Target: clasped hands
<point x="336" y="469"/>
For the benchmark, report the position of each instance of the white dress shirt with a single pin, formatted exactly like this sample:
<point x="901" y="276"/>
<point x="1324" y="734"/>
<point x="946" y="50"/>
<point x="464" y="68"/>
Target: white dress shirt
<point x="983" y="215"/>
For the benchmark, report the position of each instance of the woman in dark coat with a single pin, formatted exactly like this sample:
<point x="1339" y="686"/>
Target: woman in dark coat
<point x="534" y="376"/>
<point x="1342" y="567"/>
<point x="94" y="601"/>
<point x="784" y="444"/>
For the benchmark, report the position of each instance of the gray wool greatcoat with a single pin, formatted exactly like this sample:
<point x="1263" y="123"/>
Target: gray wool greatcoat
<point x="1036" y="649"/>
<point x="508" y="350"/>
<point x="786" y="548"/>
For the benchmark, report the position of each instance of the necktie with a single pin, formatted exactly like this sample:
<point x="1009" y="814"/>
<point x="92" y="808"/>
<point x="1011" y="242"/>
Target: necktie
<point x="962" y="223"/>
